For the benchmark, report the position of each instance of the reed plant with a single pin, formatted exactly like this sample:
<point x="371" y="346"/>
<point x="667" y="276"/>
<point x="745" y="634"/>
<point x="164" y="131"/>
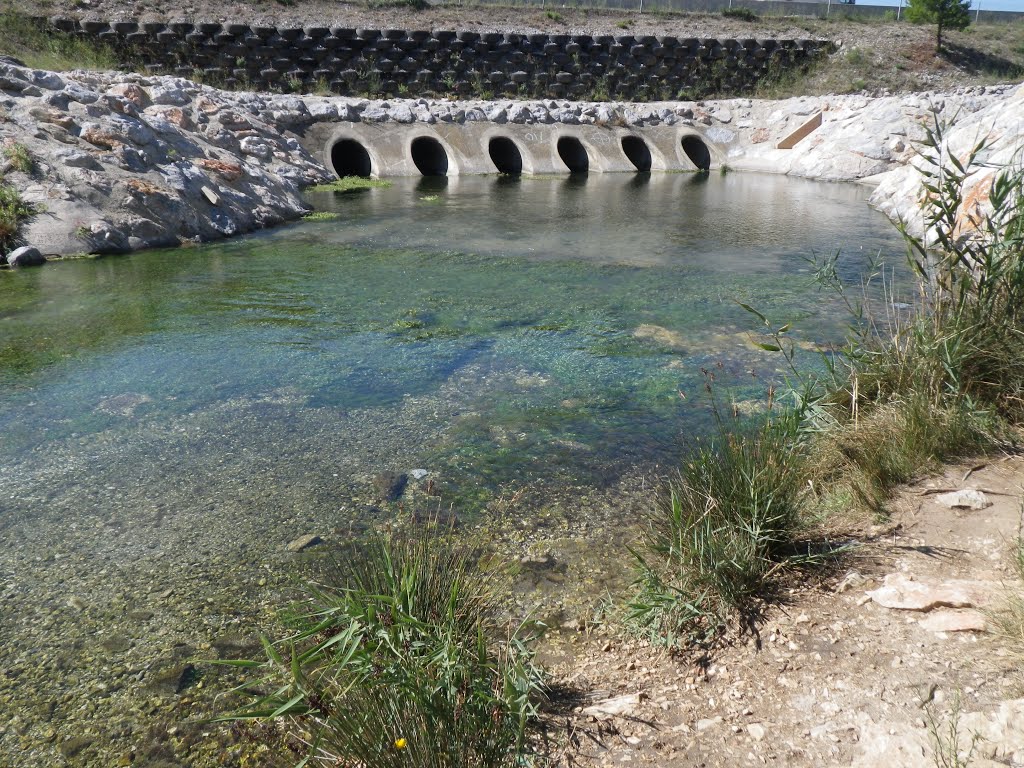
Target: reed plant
<point x="398" y="658"/>
<point x="917" y="383"/>
<point x="943" y="377"/>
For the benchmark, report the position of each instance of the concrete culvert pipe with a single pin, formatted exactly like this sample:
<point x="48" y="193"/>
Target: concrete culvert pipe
<point x="573" y="154"/>
<point x="505" y="155"/>
<point x="697" y="151"/>
<point x="637" y="151"/>
<point x="429" y="156"/>
<point x="350" y="158"/>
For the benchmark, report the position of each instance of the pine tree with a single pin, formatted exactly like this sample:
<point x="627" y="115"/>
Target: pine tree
<point x="945" y="14"/>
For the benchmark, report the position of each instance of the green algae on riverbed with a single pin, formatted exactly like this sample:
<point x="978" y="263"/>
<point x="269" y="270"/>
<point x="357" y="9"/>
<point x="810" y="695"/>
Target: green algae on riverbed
<point x="574" y="340"/>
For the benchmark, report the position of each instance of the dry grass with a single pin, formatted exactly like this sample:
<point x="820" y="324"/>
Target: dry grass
<point x="1007" y="621"/>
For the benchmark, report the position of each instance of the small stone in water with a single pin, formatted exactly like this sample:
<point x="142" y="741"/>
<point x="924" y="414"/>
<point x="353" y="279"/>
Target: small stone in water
<point x="390" y="485"/>
<point x="304" y="542"/>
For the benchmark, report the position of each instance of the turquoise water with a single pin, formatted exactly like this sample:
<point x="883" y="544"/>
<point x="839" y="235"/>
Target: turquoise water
<point x="171" y="420"/>
<point x="497" y="333"/>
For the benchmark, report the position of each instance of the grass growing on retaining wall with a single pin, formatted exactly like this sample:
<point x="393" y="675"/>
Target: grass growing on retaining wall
<point x="912" y="388"/>
<point x="50" y="49"/>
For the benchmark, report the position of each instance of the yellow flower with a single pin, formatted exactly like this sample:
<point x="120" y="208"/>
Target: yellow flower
<point x="400" y="743"/>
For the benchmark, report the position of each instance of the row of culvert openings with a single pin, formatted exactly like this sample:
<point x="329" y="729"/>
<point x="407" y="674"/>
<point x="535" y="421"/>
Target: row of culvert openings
<point x="350" y="158"/>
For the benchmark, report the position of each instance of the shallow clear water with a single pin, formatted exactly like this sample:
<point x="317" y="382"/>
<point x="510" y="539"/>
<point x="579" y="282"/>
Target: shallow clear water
<point x="170" y="420"/>
<point x="496" y="332"/>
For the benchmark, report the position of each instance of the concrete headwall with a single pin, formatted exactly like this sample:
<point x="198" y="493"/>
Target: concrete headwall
<point x="445" y="149"/>
<point x="433" y="63"/>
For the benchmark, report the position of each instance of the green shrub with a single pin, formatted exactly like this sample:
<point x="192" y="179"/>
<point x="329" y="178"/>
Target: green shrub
<point x="855" y="57"/>
<point x="744" y="14"/>
<point x="413" y="5"/>
<point x="400" y="660"/>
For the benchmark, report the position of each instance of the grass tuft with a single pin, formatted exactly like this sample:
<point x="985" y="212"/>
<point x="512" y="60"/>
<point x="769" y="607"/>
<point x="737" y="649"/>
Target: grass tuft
<point x="720" y="533"/>
<point x="1007" y="621"/>
<point x="19" y="157"/>
<point x="13" y="212"/>
<point x="399" y="659"/>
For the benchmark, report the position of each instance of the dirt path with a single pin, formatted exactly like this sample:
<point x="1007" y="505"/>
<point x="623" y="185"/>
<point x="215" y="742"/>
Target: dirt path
<point x="835" y="678"/>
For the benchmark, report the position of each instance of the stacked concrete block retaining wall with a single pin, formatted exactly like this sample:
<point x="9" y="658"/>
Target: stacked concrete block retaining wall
<point x="421" y="63"/>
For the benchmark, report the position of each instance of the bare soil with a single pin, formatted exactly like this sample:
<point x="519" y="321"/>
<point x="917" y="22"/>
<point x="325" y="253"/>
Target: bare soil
<point x="873" y="56"/>
<point x="827" y="676"/>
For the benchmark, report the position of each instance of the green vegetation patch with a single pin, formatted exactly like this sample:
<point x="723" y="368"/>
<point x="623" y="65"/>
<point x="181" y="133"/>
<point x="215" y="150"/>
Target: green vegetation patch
<point x="20" y="158"/>
<point x="321" y="216"/>
<point x="351" y="184"/>
<point x="744" y="14"/>
<point x="46" y="48"/>
<point x="13" y="212"/>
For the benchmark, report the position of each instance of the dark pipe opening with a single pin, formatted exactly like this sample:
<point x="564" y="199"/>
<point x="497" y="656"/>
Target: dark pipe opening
<point x="573" y="154"/>
<point x="697" y="151"/>
<point x="429" y="156"/>
<point x="638" y="153"/>
<point x="350" y="158"/>
<point x="505" y="155"/>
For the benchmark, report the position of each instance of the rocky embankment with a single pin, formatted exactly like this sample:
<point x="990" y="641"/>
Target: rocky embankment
<point x="121" y="161"/>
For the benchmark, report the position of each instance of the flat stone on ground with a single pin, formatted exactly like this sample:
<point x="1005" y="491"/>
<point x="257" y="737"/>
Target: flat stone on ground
<point x="901" y="592"/>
